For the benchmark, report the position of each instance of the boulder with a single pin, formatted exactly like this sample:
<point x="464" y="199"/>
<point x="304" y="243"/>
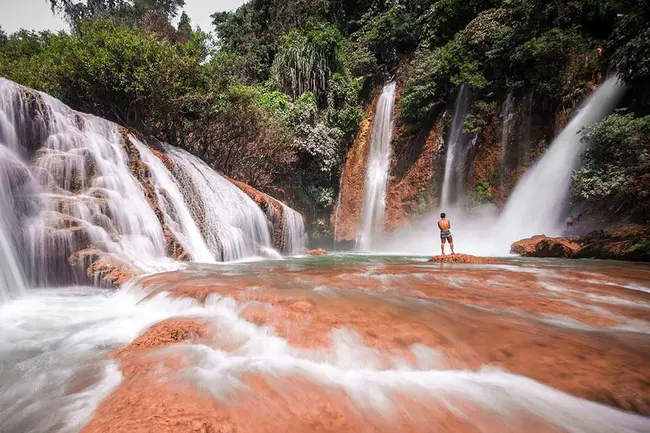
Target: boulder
<point x="543" y="246"/>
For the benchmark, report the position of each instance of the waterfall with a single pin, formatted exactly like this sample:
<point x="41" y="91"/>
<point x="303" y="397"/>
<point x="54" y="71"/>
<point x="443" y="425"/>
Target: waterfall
<point x="455" y="160"/>
<point x="176" y="214"/>
<point x="12" y="171"/>
<point x="89" y="196"/>
<point x="507" y="115"/>
<point x="75" y="188"/>
<point x="293" y="234"/>
<point x="374" y="199"/>
<point x="234" y="227"/>
<point x="537" y="203"/>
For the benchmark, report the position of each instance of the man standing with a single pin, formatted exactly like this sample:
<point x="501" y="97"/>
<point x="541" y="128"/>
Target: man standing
<point x="445" y="233"/>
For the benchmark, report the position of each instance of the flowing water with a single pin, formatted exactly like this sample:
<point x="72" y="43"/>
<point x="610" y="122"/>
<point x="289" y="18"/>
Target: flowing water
<point x="452" y="183"/>
<point x="333" y="344"/>
<point x="538" y="201"/>
<point x="329" y="344"/>
<point x="75" y="186"/>
<point x="534" y="207"/>
<point x="374" y="198"/>
<point x="234" y="226"/>
<point x="294" y="234"/>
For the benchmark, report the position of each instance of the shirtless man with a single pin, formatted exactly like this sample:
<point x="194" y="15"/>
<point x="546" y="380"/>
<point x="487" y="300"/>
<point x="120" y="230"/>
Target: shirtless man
<point x="445" y="233"/>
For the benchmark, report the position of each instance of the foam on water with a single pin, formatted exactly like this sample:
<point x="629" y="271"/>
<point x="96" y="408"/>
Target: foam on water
<point x="355" y="369"/>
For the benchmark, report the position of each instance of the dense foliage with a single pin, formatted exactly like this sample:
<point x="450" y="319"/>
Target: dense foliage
<point x="616" y="166"/>
<point x="275" y="95"/>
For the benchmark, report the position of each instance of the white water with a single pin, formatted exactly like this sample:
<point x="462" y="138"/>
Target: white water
<point x="535" y="207"/>
<point x="51" y="337"/>
<point x="294" y="231"/>
<point x="455" y="160"/>
<point x="67" y="178"/>
<point x="233" y="225"/>
<point x="88" y="194"/>
<point x="537" y="203"/>
<point x="11" y="276"/>
<point x="176" y="213"/>
<point x="361" y="372"/>
<point x="374" y="197"/>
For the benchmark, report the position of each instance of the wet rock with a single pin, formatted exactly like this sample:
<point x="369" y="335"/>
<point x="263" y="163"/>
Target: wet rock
<point x="463" y="258"/>
<point x="347" y="214"/>
<point x="629" y="242"/>
<point x="103" y="266"/>
<point x="316" y="252"/>
<point x="543" y="246"/>
<point x="141" y="172"/>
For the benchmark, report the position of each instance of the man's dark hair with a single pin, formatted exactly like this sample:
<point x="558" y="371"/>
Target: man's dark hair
<point x="442" y="215"/>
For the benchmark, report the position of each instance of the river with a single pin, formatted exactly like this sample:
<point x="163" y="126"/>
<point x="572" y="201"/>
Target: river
<point x="343" y="342"/>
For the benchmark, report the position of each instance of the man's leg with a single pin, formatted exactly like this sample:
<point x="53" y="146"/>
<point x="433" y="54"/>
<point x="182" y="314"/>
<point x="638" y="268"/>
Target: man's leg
<point x="451" y="244"/>
<point x="442" y="245"/>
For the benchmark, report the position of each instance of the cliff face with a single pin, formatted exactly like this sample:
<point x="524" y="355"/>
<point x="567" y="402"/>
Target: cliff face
<point x="415" y="168"/>
<point x="347" y="214"/>
<point x="510" y="139"/>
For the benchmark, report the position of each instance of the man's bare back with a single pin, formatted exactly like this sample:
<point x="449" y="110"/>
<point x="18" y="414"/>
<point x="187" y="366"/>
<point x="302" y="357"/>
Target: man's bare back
<point x="445" y="233"/>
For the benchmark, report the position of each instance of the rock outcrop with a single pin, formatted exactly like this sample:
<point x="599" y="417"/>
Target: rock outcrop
<point x="543" y="246"/>
<point x="630" y="242"/>
<point x="463" y="258"/>
<point x="347" y="214"/>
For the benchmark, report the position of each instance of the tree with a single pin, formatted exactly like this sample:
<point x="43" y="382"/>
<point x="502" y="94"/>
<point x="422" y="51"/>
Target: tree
<point x="121" y="12"/>
<point x="184" y="28"/>
<point x="615" y="166"/>
<point x="3" y="36"/>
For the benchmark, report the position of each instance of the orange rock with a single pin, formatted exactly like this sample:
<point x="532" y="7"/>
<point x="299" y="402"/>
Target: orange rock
<point x="463" y="258"/>
<point x="629" y="242"/>
<point x="316" y="252"/>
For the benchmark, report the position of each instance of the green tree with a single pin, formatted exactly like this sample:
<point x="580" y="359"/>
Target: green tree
<point x="616" y="164"/>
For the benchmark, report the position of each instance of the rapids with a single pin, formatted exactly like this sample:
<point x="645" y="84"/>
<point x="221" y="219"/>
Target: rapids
<point x="338" y="343"/>
<point x="335" y="343"/>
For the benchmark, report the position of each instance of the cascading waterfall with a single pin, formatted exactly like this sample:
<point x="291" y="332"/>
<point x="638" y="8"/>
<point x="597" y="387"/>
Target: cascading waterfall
<point x="11" y="275"/>
<point x="537" y="203"/>
<point x="89" y="196"/>
<point x="176" y="214"/>
<point x="294" y="231"/>
<point x="76" y="187"/>
<point x="234" y="227"/>
<point x="455" y="160"/>
<point x="374" y="199"/>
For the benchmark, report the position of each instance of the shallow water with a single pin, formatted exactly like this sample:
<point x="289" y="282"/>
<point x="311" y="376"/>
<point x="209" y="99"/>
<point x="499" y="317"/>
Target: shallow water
<point x="335" y="343"/>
